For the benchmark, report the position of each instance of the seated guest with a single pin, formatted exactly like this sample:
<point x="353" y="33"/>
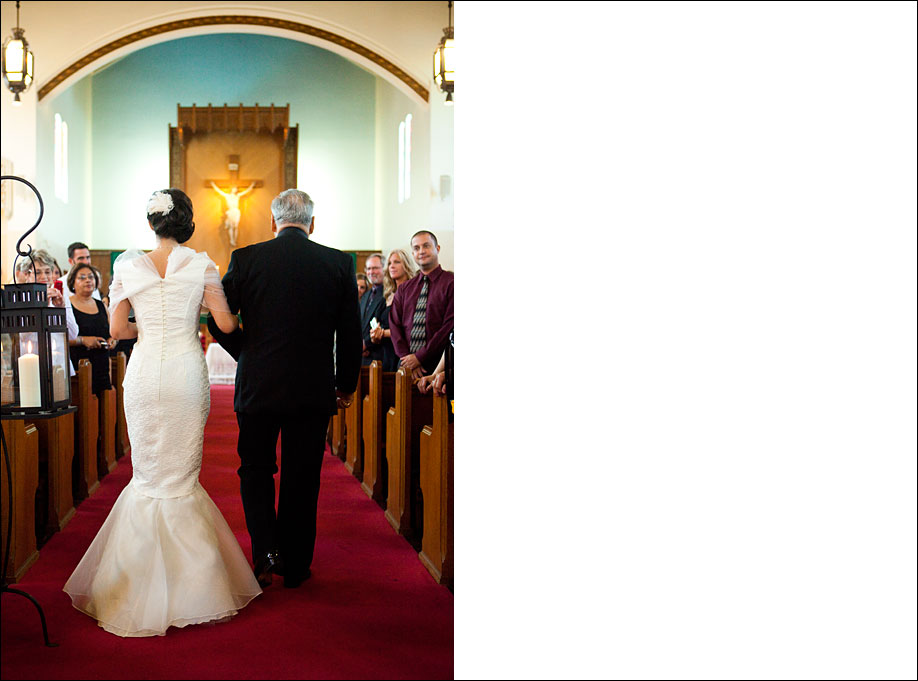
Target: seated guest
<point x="94" y="339"/>
<point x="399" y="269"/>
<point x="362" y="285"/>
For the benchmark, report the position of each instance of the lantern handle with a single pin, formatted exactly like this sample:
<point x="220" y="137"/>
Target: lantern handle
<point x="41" y="214"/>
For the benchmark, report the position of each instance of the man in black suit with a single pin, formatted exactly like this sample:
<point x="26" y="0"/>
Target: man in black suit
<point x="372" y="305"/>
<point x="294" y="296"/>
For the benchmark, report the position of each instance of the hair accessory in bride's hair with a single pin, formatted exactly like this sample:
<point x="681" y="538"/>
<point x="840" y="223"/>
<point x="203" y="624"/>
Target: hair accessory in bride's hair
<point x="160" y="202"/>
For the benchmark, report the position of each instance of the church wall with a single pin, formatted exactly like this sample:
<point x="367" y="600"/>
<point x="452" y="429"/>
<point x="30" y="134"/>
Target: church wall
<point x="134" y="101"/>
<point x="395" y="222"/>
<point x="71" y="220"/>
<point x="441" y="164"/>
<point x="60" y="32"/>
<point x="17" y="145"/>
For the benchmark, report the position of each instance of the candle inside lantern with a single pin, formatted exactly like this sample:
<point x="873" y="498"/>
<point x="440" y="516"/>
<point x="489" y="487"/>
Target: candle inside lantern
<point x="29" y="381"/>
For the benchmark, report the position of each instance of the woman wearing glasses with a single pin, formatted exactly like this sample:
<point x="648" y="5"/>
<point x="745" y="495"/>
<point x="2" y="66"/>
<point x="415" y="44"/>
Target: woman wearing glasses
<point x="94" y="339"/>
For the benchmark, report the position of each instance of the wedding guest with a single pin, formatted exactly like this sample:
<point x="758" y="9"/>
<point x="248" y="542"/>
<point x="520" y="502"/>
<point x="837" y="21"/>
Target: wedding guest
<point x="57" y="271"/>
<point x="94" y="339"/>
<point x="371" y="307"/>
<point x="362" y="284"/>
<point x="77" y="253"/>
<point x="422" y="311"/>
<point x="42" y="273"/>
<point x="24" y="271"/>
<point x="441" y="380"/>
<point x="399" y="269"/>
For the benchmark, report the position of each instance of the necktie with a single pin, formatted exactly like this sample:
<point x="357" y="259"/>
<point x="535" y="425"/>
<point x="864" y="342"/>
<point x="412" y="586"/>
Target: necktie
<point x="370" y="300"/>
<point x="419" y="325"/>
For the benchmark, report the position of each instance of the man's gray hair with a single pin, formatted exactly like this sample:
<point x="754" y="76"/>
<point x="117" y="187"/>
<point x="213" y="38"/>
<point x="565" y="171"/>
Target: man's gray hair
<point x="292" y="207"/>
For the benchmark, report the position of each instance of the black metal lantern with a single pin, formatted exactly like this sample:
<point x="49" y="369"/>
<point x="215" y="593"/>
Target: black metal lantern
<point x="34" y="354"/>
<point x="444" y="66"/>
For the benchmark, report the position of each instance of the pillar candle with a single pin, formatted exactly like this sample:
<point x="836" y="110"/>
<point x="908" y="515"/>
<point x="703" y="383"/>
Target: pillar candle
<point x="29" y="381"/>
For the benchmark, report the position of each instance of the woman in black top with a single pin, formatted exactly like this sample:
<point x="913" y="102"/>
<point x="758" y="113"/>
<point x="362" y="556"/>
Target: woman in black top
<point x="94" y="339"/>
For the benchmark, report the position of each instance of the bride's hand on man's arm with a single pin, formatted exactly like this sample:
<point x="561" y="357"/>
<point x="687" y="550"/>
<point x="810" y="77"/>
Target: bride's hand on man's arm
<point x="226" y="321"/>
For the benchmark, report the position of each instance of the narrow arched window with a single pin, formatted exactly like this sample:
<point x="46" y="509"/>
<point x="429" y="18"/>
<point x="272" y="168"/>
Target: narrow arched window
<point x="61" y="161"/>
<point x="404" y="159"/>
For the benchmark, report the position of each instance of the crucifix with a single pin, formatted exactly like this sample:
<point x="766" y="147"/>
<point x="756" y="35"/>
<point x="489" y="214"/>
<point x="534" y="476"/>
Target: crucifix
<point x="231" y="194"/>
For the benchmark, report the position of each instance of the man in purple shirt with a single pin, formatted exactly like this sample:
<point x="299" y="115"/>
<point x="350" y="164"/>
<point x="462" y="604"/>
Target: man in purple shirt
<point x="421" y="315"/>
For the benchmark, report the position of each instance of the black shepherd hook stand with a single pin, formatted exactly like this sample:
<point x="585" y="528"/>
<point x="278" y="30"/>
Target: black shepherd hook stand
<point x="6" y="454"/>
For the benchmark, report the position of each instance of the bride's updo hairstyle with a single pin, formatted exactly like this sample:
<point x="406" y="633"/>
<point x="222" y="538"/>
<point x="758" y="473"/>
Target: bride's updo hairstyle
<point x="170" y="213"/>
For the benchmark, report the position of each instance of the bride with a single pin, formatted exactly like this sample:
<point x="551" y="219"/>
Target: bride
<point x="164" y="556"/>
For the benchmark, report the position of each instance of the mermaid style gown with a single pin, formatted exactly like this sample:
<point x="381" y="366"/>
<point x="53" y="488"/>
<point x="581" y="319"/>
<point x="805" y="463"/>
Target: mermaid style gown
<point x="165" y="556"/>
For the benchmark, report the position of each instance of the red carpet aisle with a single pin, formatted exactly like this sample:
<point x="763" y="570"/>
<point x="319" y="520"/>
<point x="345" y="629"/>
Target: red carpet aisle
<point x="370" y="611"/>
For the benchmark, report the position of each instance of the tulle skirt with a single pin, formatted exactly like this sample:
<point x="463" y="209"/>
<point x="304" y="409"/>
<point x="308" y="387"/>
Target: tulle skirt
<point x="157" y="563"/>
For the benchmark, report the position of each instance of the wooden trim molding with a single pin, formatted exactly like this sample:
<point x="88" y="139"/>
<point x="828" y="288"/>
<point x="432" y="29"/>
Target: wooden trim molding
<point x="235" y="19"/>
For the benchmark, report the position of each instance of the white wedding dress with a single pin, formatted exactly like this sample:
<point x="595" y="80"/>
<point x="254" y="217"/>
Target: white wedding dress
<point x="164" y="556"/>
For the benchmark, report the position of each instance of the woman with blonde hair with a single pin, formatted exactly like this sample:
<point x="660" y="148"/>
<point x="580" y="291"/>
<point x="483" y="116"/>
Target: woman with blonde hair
<point x="399" y="269"/>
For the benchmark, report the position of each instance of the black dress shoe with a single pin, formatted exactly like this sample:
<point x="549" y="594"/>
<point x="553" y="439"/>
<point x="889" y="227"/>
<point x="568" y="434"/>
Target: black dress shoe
<point x="293" y="581"/>
<point x="264" y="567"/>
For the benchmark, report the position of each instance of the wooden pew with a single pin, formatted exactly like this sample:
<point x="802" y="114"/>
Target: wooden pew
<point x="55" y="457"/>
<point x="86" y="433"/>
<point x="337" y="440"/>
<point x="354" y="426"/>
<point x="108" y="418"/>
<point x="437" y="490"/>
<point x="404" y="421"/>
<point x="380" y="397"/>
<point x="22" y="443"/>
<point x="122" y="442"/>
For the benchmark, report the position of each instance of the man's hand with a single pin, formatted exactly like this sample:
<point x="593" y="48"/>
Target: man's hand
<point x="411" y="362"/>
<point x="344" y="399"/>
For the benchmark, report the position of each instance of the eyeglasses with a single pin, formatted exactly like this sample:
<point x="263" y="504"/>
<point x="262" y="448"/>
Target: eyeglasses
<point x="85" y="277"/>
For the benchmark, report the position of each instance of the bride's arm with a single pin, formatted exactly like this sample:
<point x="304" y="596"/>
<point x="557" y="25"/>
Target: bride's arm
<point x="215" y="301"/>
<point x="120" y="327"/>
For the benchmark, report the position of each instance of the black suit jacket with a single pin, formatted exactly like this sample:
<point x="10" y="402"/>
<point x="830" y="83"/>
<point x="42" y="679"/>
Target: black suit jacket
<point x="294" y="296"/>
<point x="367" y="312"/>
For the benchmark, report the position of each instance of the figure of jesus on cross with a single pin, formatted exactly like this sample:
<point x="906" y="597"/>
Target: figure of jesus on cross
<point x="233" y="214"/>
<point x="231" y="194"/>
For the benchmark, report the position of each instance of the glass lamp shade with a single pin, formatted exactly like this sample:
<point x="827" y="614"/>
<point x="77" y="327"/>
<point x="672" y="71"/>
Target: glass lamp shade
<point x="444" y="62"/>
<point x="34" y="354"/>
<point x="18" y="63"/>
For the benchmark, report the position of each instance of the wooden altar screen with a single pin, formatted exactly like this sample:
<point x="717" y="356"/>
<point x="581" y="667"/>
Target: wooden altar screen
<point x="232" y="146"/>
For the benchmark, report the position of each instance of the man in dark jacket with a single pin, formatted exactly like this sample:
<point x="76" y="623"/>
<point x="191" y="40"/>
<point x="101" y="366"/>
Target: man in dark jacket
<point x="294" y="297"/>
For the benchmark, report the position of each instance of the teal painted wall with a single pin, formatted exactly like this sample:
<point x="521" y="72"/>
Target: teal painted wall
<point x="64" y="223"/>
<point x="134" y="101"/>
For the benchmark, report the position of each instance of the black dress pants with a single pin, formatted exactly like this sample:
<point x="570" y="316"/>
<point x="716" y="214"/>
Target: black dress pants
<point x="292" y="530"/>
